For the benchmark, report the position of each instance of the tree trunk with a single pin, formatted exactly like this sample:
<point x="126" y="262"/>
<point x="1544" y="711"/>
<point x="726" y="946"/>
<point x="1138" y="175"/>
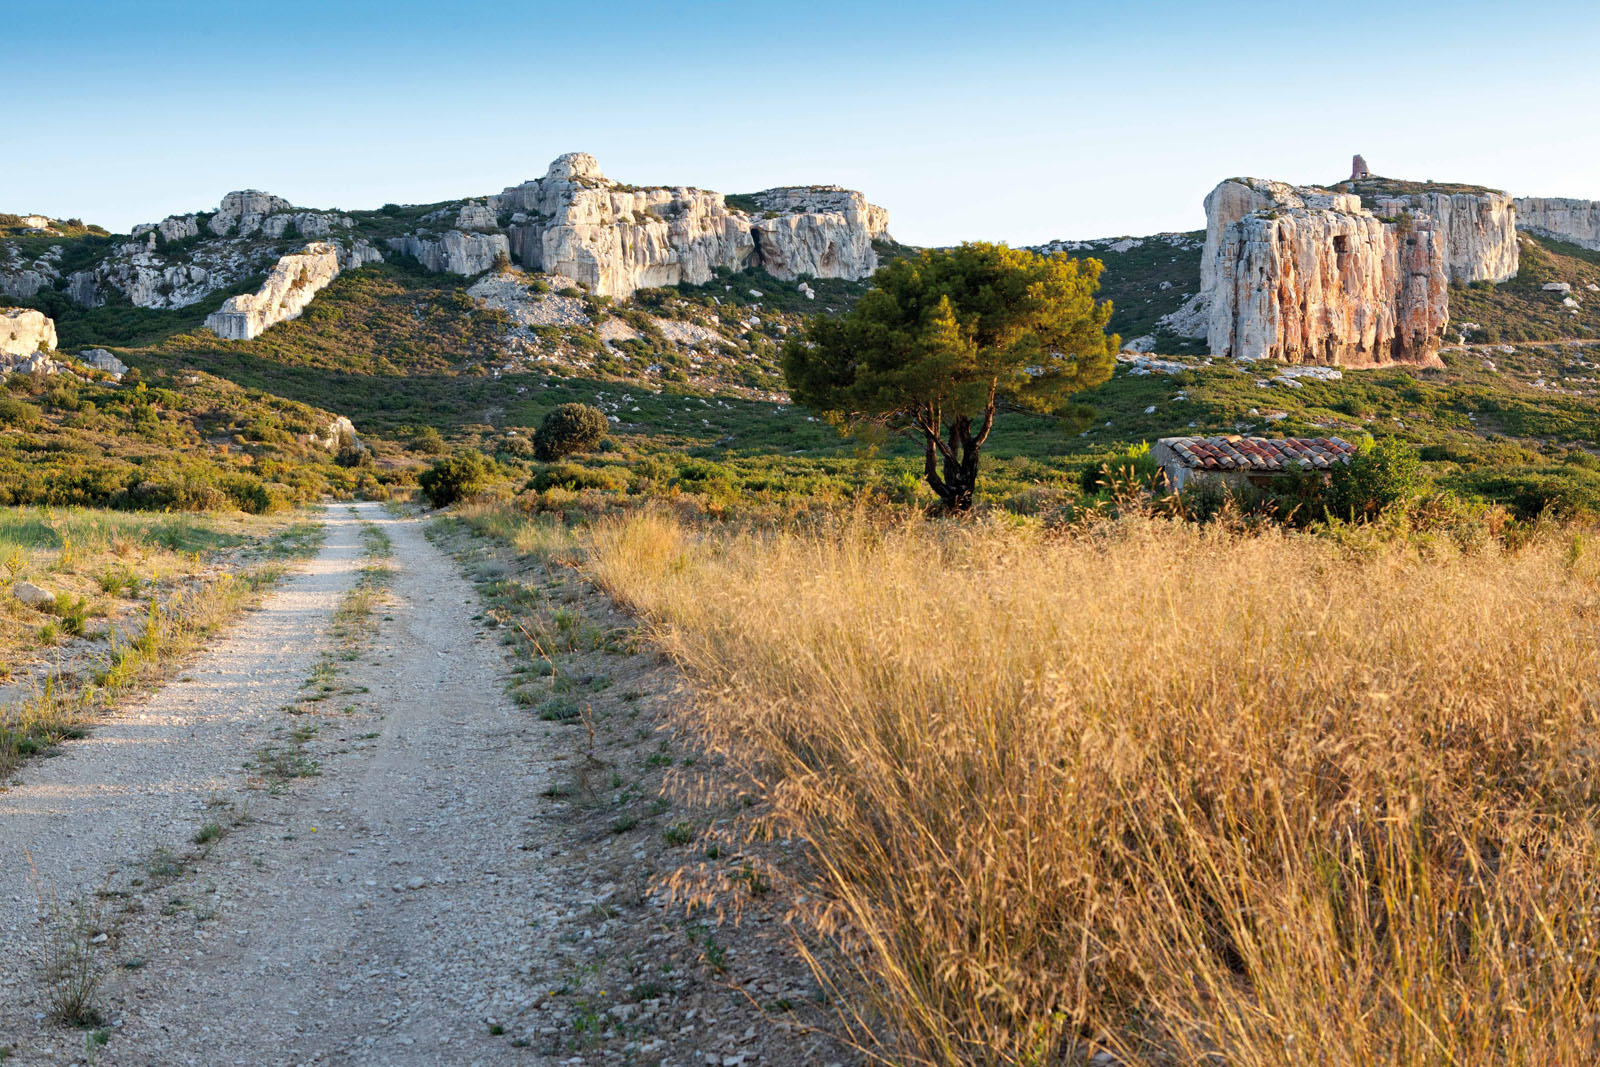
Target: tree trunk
<point x="956" y="483"/>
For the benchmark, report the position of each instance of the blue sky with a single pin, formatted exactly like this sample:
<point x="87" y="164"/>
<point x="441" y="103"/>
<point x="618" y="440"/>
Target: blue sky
<point x="1004" y="121"/>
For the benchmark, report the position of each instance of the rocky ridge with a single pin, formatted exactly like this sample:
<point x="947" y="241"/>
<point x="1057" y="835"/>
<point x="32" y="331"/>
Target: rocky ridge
<point x="573" y="223"/>
<point x="183" y="259"/>
<point x="1574" y="221"/>
<point x="615" y="239"/>
<point x="1478" y="226"/>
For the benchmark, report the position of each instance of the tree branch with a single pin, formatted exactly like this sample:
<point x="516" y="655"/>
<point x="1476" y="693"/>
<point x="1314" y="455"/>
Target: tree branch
<point x="988" y="415"/>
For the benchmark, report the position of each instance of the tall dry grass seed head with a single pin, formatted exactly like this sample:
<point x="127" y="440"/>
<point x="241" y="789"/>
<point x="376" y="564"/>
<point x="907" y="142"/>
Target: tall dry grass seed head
<point x="1183" y="794"/>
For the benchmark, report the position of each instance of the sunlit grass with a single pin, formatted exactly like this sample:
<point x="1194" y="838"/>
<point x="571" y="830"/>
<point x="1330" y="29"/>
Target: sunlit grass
<point x="1169" y="791"/>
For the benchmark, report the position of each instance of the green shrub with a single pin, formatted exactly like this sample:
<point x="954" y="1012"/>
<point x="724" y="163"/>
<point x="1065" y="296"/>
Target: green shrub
<point x="428" y="441"/>
<point x="568" y="429"/>
<point x="72" y="611"/>
<point x="463" y="475"/>
<point x="1564" y="492"/>
<point x="18" y="413"/>
<point x="571" y="476"/>
<point x="1380" y="476"/>
<point x="1133" y="466"/>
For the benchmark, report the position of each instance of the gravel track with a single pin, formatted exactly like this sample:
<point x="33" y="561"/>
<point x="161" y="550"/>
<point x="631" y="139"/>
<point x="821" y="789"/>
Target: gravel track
<point x="428" y="897"/>
<point x="141" y="780"/>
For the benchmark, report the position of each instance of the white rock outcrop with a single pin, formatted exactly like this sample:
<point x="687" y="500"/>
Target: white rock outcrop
<point x="1306" y="275"/>
<point x="83" y="289"/>
<point x="475" y="216"/>
<point x="102" y="360"/>
<point x="23" y="284"/>
<point x="243" y="212"/>
<point x="1479" y="230"/>
<point x="24" y="331"/>
<point x="1574" y="221"/>
<point x="288" y="289"/>
<point x="454" y="251"/>
<point x="337" y="434"/>
<point x="34" y="596"/>
<point x="357" y="253"/>
<point x="820" y="230"/>
<point x="171" y="228"/>
<point x="616" y="239"/>
<point x="23" y="277"/>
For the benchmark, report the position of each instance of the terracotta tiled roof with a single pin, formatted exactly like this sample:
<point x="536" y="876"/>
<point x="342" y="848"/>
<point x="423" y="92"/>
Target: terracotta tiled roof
<point x="1235" y="453"/>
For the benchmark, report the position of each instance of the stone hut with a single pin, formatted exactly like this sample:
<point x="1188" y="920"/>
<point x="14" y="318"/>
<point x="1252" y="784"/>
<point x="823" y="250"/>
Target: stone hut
<point x="1239" y="461"/>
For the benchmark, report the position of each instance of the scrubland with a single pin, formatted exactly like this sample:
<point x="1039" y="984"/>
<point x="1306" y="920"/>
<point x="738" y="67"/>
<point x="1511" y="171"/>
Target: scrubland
<point x="1181" y="793"/>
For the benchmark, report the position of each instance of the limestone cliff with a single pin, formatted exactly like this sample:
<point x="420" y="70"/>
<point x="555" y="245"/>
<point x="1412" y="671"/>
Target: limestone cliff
<point x="1478" y="229"/>
<point x="820" y="230"/>
<point x="289" y="287"/>
<point x="454" y="251"/>
<point x="1306" y="275"/>
<point x="1574" y="221"/>
<point x="24" y="331"/>
<point x="616" y="239"/>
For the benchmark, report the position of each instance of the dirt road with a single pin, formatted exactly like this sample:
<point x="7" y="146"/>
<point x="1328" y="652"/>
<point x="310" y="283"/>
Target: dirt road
<point x="421" y="896"/>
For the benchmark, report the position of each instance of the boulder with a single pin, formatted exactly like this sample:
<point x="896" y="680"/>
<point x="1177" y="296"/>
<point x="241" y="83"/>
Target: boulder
<point x="24" y="331"/>
<point x="338" y="433"/>
<point x="38" y="363"/>
<point x="288" y="289"/>
<point x="101" y="360"/>
<point x="34" y="596"/>
<point x="1574" y="221"/>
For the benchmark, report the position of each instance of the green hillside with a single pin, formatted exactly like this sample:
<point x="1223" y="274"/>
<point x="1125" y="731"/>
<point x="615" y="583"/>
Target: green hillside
<point x="397" y="349"/>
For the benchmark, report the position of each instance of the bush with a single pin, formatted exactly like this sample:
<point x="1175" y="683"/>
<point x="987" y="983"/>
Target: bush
<point x="1134" y="466"/>
<point x="428" y="441"/>
<point x="463" y="475"/>
<point x="1380" y="476"/>
<point x="18" y="413"/>
<point x="353" y="455"/>
<point x="1565" y="492"/>
<point x="571" y="476"/>
<point x="568" y="429"/>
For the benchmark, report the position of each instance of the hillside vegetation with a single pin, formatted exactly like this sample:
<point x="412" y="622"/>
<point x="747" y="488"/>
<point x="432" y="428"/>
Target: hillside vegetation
<point x="405" y="353"/>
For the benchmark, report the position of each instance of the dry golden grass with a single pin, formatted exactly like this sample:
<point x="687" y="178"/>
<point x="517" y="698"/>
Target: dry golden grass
<point x="1163" y="790"/>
